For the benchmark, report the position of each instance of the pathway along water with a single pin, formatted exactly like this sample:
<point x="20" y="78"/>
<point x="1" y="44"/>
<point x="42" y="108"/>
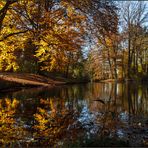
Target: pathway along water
<point x="97" y="114"/>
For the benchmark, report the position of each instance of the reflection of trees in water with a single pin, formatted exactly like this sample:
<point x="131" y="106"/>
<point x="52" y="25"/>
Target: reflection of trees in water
<point x="62" y="116"/>
<point x="137" y="99"/>
<point x="107" y="118"/>
<point x="54" y="122"/>
<point x="9" y="130"/>
<point x="122" y="104"/>
<point x="128" y="96"/>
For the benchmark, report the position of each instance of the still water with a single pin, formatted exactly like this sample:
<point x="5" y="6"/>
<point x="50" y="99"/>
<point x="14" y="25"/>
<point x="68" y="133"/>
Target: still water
<point x="94" y="114"/>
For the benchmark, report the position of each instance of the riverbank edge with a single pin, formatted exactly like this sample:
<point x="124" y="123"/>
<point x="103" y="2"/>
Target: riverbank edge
<point x="121" y="80"/>
<point x="17" y="81"/>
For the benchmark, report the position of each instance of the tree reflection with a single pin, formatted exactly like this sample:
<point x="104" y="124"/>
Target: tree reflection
<point x="54" y="122"/>
<point x="9" y="129"/>
<point x="66" y="114"/>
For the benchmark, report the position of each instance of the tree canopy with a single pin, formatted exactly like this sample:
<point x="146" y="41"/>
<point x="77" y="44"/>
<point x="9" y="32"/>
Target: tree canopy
<point x="53" y="35"/>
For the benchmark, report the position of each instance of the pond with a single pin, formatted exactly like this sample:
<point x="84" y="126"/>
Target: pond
<point x="93" y="114"/>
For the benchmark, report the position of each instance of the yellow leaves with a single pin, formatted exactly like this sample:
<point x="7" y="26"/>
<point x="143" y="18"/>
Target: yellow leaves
<point x="15" y="103"/>
<point x="54" y="32"/>
<point x="53" y="63"/>
<point x="52" y="121"/>
<point x="8" y="124"/>
<point x="7" y="49"/>
<point x="8" y="105"/>
<point x="69" y="8"/>
<point x="38" y="117"/>
<point x="7" y="57"/>
<point x="109" y="42"/>
<point x="7" y="110"/>
<point x="2" y="3"/>
<point x="43" y="43"/>
<point x="41" y="120"/>
<point x="63" y="34"/>
<point x="40" y="52"/>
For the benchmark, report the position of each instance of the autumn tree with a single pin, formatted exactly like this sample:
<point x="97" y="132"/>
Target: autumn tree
<point x="8" y="60"/>
<point x="133" y="18"/>
<point x="104" y="34"/>
<point x="56" y="31"/>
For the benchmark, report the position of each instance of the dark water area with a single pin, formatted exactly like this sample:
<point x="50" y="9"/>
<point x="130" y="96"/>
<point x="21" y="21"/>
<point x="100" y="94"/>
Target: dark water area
<point x="94" y="114"/>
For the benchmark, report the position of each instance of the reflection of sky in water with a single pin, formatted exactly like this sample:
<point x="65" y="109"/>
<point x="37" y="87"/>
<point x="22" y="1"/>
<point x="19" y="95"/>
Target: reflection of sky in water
<point x="87" y="119"/>
<point x="121" y="134"/>
<point x="85" y="116"/>
<point x="124" y="116"/>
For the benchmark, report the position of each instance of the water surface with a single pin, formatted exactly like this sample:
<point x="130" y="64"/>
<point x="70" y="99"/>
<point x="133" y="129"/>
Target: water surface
<point x="94" y="114"/>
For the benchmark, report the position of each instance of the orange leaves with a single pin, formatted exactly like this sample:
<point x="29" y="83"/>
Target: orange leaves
<point x="62" y="29"/>
<point x="55" y="31"/>
<point x="111" y="40"/>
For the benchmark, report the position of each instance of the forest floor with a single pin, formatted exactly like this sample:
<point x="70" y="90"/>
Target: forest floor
<point x="29" y="79"/>
<point x="10" y="80"/>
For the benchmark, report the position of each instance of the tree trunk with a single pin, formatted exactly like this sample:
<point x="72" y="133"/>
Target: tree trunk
<point x="129" y="56"/>
<point x="110" y="65"/>
<point x="115" y="69"/>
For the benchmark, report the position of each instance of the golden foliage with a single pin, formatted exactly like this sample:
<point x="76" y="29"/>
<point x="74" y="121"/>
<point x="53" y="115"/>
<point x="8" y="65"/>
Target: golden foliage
<point x="63" y="36"/>
<point x="55" y="31"/>
<point x="52" y="123"/>
<point x="7" y="57"/>
<point x="9" y="131"/>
